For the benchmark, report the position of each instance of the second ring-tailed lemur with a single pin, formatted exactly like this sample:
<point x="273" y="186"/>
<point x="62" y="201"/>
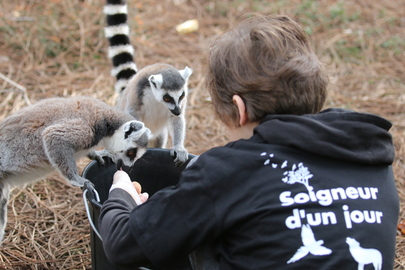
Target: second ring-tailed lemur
<point x="53" y="133"/>
<point x="156" y="94"/>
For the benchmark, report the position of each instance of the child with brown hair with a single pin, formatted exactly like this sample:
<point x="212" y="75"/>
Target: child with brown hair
<point x="298" y="188"/>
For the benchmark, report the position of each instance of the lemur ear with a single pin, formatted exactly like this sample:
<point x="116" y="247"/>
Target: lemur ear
<point x="133" y="128"/>
<point x="185" y="73"/>
<point x="156" y="80"/>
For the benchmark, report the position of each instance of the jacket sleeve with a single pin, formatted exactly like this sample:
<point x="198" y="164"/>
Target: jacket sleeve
<point x="120" y="246"/>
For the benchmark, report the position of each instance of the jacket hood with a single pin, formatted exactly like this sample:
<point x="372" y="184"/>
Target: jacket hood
<point x="333" y="133"/>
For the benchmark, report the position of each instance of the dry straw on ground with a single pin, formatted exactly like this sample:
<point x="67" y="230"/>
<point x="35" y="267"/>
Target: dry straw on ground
<point x="57" y="48"/>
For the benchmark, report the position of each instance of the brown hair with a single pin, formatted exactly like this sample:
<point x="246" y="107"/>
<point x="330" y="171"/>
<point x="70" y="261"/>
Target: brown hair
<point x="269" y="63"/>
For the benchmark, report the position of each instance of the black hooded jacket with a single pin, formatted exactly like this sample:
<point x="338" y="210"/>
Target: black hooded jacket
<point x="304" y="192"/>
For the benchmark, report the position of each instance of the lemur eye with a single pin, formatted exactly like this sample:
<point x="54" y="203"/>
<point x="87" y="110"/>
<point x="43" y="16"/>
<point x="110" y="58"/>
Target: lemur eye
<point x="167" y="98"/>
<point x="131" y="153"/>
<point x="182" y="96"/>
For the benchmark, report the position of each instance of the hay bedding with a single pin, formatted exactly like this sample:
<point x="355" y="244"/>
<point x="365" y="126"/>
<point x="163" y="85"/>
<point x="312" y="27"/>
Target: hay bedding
<point x="57" y="48"/>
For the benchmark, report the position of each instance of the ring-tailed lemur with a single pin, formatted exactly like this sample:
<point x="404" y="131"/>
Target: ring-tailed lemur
<point x="156" y="95"/>
<point x="54" y="133"/>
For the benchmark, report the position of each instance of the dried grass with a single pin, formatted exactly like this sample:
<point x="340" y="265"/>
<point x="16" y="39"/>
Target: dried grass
<point x="57" y="48"/>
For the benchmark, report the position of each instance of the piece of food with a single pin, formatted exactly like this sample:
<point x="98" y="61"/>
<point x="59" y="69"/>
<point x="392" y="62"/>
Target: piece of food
<point x="187" y="27"/>
<point x="137" y="187"/>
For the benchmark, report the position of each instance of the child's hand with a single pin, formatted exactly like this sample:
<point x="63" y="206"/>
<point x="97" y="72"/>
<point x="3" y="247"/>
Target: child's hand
<point x="122" y="181"/>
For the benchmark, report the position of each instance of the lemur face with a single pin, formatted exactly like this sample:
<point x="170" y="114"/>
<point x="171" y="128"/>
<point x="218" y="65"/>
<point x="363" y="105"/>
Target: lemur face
<point x="129" y="143"/>
<point x="173" y="100"/>
<point x="170" y="88"/>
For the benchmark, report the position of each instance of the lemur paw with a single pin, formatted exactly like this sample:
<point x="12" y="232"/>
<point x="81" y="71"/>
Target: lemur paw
<point x="99" y="156"/>
<point x="78" y="181"/>
<point x="88" y="185"/>
<point x="180" y="155"/>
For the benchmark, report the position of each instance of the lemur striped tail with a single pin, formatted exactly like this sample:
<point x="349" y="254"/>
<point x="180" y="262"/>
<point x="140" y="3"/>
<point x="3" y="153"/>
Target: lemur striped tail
<point x="120" y="50"/>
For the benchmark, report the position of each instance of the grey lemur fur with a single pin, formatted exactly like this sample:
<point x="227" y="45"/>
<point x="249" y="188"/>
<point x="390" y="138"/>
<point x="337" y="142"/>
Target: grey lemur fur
<point x="156" y="95"/>
<point x="53" y="133"/>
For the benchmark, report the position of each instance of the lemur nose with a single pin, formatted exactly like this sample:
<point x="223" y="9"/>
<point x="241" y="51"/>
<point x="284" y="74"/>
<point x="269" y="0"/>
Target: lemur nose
<point x="176" y="111"/>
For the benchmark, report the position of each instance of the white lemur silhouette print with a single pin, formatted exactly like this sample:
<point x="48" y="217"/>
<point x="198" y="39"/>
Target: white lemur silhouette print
<point x="310" y="245"/>
<point x="364" y="256"/>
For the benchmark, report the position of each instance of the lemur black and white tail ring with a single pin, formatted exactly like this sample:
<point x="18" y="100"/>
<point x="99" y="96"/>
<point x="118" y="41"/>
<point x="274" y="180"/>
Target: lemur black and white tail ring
<point x="120" y="50"/>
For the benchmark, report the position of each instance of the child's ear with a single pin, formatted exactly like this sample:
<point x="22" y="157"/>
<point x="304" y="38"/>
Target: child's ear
<point x="241" y="109"/>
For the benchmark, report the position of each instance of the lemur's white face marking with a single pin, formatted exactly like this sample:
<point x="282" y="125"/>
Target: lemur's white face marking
<point x="129" y="143"/>
<point x="172" y="98"/>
